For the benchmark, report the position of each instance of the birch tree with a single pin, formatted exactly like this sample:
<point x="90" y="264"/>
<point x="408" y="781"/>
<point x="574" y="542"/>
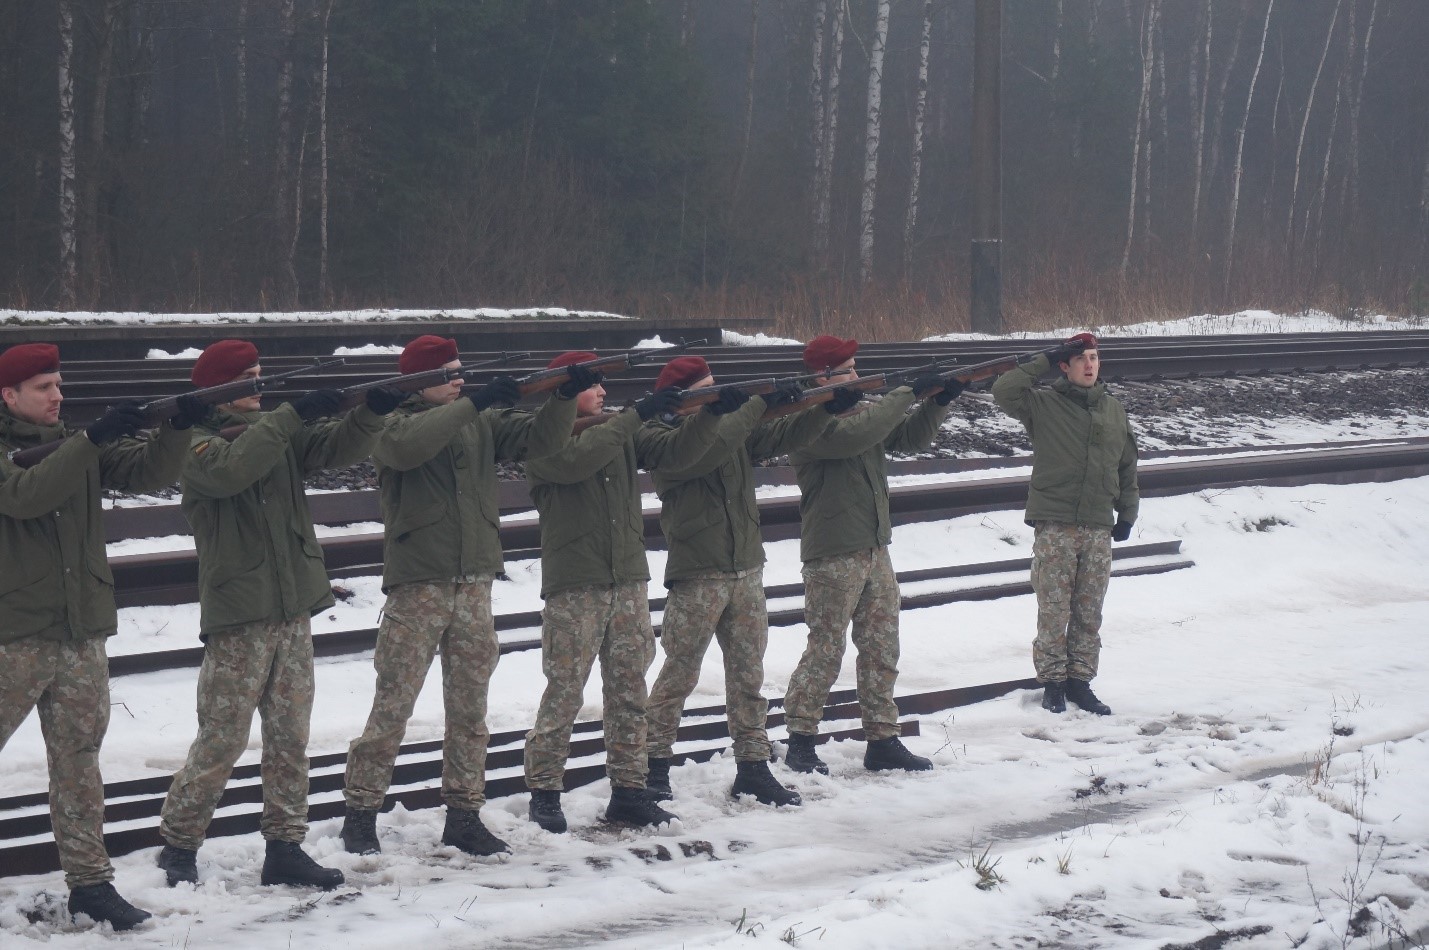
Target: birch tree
<point x="284" y="226"/>
<point x="816" y="104"/>
<point x="69" y="264"/>
<point x="872" y="131"/>
<point x="1304" y="126"/>
<point x="1240" y="153"/>
<point x="1148" y="16"/>
<point x="1356" y="101"/>
<point x="241" y="82"/>
<point x="823" y="205"/>
<point x="748" y="124"/>
<point x="1198" y="130"/>
<point x="324" y="290"/>
<point x="920" y="111"/>
<point x="96" y="152"/>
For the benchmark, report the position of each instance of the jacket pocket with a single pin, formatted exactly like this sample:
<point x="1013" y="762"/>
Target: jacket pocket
<point x="409" y="522"/>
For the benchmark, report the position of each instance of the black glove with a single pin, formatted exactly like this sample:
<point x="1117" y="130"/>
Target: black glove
<point x="925" y="384"/>
<point x="952" y="389"/>
<point x="501" y="390"/>
<point x="192" y="411"/>
<point x="1122" y="531"/>
<point x="318" y="403"/>
<point x="1065" y="352"/>
<point x="844" y="400"/>
<point x="729" y="400"/>
<point x="383" y="399"/>
<point x="582" y="378"/>
<point x="124" y="418"/>
<point x="784" y="395"/>
<point x="658" y="403"/>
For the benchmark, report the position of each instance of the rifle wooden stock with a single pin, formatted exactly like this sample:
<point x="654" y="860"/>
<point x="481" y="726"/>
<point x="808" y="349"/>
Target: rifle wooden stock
<point x="590" y="422"/>
<point x="691" y="400"/>
<point x="548" y="379"/>
<point x="822" y="394"/>
<point x="976" y="372"/>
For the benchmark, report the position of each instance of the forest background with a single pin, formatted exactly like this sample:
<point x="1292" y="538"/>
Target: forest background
<point x="803" y="161"/>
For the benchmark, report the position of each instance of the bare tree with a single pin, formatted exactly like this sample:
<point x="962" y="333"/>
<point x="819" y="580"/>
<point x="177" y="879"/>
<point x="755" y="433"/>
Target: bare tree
<point x="1218" y="123"/>
<point x="823" y="205"/>
<point x="920" y="111"/>
<point x="872" y="131"/>
<point x="1148" y="15"/>
<point x="1356" y="101"/>
<point x="284" y="225"/>
<point x="96" y="154"/>
<point x="816" y="103"/>
<point x="1240" y="154"/>
<point x="748" y="124"/>
<point x="69" y="264"/>
<point x="241" y="83"/>
<point x="1304" y="126"/>
<point x="1198" y="130"/>
<point x="324" y="290"/>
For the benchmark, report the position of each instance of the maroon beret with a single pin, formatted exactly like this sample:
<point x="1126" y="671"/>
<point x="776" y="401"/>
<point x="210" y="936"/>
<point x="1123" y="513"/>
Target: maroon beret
<point x="826" y="352"/>
<point x="572" y="356"/>
<point x="426" y="352"/>
<point x="681" y="371"/>
<point x="1088" y="339"/>
<point x="223" y="362"/>
<point x="19" y="363"/>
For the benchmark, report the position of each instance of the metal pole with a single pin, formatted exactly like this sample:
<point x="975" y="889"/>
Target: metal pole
<point x="986" y="260"/>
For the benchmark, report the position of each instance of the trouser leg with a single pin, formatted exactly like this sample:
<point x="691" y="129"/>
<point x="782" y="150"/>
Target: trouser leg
<point x="573" y="624"/>
<point x="1054" y="565"/>
<point x="286" y="710"/>
<point x="1084" y="642"/>
<point x="691" y="611"/>
<point x="236" y="668"/>
<point x="413" y="621"/>
<point x="626" y="653"/>
<point x="743" y="632"/>
<point x="832" y="586"/>
<point x="875" y="637"/>
<point x="470" y="650"/>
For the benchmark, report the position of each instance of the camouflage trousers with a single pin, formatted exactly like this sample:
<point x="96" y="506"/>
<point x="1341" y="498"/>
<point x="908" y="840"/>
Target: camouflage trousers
<point x="69" y="682"/>
<point x="860" y="588"/>
<point x="730" y="607"/>
<point x="1071" y="565"/>
<point x="417" y="620"/>
<point x="265" y="667"/>
<point x="577" y="626"/>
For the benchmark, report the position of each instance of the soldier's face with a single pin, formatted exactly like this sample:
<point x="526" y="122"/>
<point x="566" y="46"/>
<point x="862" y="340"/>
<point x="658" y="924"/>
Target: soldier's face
<point x="248" y="403"/>
<point x="842" y="373"/>
<point x="591" y="402"/>
<point x="1082" y="369"/>
<point x="444" y="394"/>
<point x="36" y="400"/>
<point x="701" y="384"/>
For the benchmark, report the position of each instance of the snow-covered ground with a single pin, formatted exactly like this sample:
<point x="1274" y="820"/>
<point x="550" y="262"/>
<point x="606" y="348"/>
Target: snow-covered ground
<point x="300" y="316"/>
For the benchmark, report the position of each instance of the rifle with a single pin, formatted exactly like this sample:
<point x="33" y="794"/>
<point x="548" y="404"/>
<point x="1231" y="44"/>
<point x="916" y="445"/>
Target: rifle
<point x="548" y="379"/>
<point x="355" y="395"/>
<point x="963" y="374"/>
<point x="692" y="399"/>
<point x="157" y="410"/>
<point x="976" y="372"/>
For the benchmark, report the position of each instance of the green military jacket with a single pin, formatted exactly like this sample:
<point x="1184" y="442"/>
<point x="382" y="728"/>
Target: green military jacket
<point x="708" y="508"/>
<point x="843" y="475"/>
<point x="436" y="466"/>
<point x="592" y="525"/>
<point x="258" y="557"/>
<point x="1083" y="450"/>
<point x="56" y="582"/>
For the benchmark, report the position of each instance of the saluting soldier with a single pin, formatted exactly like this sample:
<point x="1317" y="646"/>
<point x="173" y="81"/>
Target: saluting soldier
<point x="57" y="597"/>
<point x="715" y="574"/>
<point x="843" y="542"/>
<point x="261" y="577"/>
<point x="1083" y="473"/>
<point x="436" y="464"/>
<point x="595" y="583"/>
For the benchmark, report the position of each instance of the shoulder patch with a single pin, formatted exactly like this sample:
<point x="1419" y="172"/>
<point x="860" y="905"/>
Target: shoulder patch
<point x="202" y="447"/>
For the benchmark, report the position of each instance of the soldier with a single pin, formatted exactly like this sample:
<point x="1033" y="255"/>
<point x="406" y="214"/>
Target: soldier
<point x="844" y="538"/>
<point x="1083" y="469"/>
<point x="595" y="582"/>
<point x="715" y="574"/>
<point x="436" y="464"/>
<point x="261" y="577"/>
<point x="57" y="597"/>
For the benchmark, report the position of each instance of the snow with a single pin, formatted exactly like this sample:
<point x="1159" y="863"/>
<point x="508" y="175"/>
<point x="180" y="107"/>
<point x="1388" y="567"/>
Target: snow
<point x="1216" y="324"/>
<point x="324" y="316"/>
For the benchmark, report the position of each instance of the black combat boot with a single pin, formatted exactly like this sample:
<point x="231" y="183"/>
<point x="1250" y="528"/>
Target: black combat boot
<point x="801" y="756"/>
<point x="657" y="781"/>
<point x="755" y="779"/>
<point x="881" y="755"/>
<point x="1079" y="693"/>
<point x="180" y="864"/>
<point x="465" y="831"/>
<point x="287" y="863"/>
<point x="359" y="831"/>
<point x="545" y="810"/>
<point x="1054" y="696"/>
<point x="102" y="904"/>
<point x="631" y="806"/>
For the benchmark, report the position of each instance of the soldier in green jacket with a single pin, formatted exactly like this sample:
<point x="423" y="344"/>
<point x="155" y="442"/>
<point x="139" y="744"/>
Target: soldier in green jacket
<point x="844" y="538"/>
<point x="1083" y="470"/>
<point x="261" y="577"/>
<point x="595" y="583"/>
<point x="436" y="464"/>
<point x="57" y="597"/>
<point x="715" y="574"/>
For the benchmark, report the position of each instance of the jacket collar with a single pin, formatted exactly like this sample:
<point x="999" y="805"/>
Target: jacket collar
<point x="1086" y="396"/>
<point x="21" y="434"/>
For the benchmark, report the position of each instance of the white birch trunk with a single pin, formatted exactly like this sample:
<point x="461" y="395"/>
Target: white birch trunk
<point x="1199" y="132"/>
<point x="96" y="155"/>
<point x="1136" y="143"/>
<point x="69" y="263"/>
<point x="241" y="80"/>
<point x="1240" y="154"/>
<point x="283" y="223"/>
<point x="1056" y="45"/>
<point x="323" y="289"/>
<point x="1304" y="126"/>
<point x="920" y="112"/>
<point x="816" y="103"/>
<point x="1317" y="201"/>
<point x="872" y="130"/>
<point x="1355" y="102"/>
<point x="1218" y="123"/>
<point x="748" y="128"/>
<point x="823" y="208"/>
